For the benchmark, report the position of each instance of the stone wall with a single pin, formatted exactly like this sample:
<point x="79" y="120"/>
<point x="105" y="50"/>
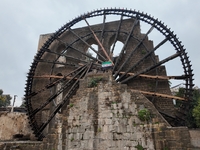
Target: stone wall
<point x="21" y="145"/>
<point x="14" y="126"/>
<point x="105" y="117"/>
<point x="195" y="137"/>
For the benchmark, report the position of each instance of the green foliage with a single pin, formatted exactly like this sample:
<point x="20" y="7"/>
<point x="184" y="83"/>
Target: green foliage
<point x="94" y="81"/>
<point x="144" y="115"/>
<point x="71" y="105"/>
<point x="4" y="99"/>
<point x="99" y="129"/>
<point x="196" y="113"/>
<point x="180" y="92"/>
<point x="143" y="52"/>
<point x="193" y="113"/>
<point x="139" y="147"/>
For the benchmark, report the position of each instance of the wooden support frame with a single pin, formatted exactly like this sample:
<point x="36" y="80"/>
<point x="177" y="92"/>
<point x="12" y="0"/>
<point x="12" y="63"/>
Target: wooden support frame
<point x="161" y="95"/>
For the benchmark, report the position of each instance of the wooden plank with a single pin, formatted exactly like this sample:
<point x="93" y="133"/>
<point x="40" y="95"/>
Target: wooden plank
<point x="98" y="41"/>
<point x="162" y="77"/>
<point x="49" y="76"/>
<point x="155" y="77"/>
<point x="161" y="95"/>
<point x="131" y="74"/>
<point x="52" y="76"/>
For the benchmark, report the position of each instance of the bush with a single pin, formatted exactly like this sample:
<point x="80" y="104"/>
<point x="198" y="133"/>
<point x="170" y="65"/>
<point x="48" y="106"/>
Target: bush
<point x="139" y="147"/>
<point x="144" y="115"/>
<point x="196" y="113"/>
<point x="94" y="81"/>
<point x="193" y="108"/>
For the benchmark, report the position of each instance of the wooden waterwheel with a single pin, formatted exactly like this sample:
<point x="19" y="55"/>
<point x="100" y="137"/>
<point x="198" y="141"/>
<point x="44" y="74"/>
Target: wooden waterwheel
<point x="101" y="40"/>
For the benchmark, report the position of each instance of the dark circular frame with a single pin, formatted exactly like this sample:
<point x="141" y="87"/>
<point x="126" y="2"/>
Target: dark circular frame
<point x="82" y="70"/>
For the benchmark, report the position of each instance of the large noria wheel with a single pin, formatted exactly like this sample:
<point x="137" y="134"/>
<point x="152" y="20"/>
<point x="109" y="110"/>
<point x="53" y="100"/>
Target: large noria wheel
<point x="117" y="38"/>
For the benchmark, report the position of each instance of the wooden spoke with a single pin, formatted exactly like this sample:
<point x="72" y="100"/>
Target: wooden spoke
<point x="143" y="58"/>
<point x="128" y="58"/>
<point x="77" y="50"/>
<point x="72" y="90"/>
<point x="103" y="28"/>
<point x="67" y="56"/>
<point x="152" y="67"/>
<point x="98" y="41"/>
<point x="116" y="36"/>
<point x="52" y="97"/>
<point x="123" y="49"/>
<point x="104" y="59"/>
<point x="156" y="77"/>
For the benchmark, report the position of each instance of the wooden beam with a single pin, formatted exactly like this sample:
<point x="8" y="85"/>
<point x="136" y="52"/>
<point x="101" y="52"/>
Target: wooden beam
<point x="161" y="95"/>
<point x="52" y="76"/>
<point x="98" y="41"/>
<point x="131" y="74"/>
<point x="156" y="76"/>
<point x="162" y="77"/>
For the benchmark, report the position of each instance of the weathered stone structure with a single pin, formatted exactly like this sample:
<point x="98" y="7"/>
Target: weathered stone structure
<point x="104" y="117"/>
<point x="16" y="133"/>
<point x="15" y="126"/>
<point x="161" y="86"/>
<point x="74" y="103"/>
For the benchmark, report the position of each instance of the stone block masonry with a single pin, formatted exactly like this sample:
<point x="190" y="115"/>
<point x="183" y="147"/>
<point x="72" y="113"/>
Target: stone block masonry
<point x="105" y="117"/>
<point x="21" y="145"/>
<point x="195" y="137"/>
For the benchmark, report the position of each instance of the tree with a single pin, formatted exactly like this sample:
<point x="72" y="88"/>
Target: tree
<point x="195" y="109"/>
<point x="196" y="113"/>
<point x="193" y="114"/>
<point x="4" y="99"/>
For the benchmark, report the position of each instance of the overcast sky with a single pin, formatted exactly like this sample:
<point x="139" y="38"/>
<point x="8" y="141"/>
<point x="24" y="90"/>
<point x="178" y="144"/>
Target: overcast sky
<point x="22" y="21"/>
